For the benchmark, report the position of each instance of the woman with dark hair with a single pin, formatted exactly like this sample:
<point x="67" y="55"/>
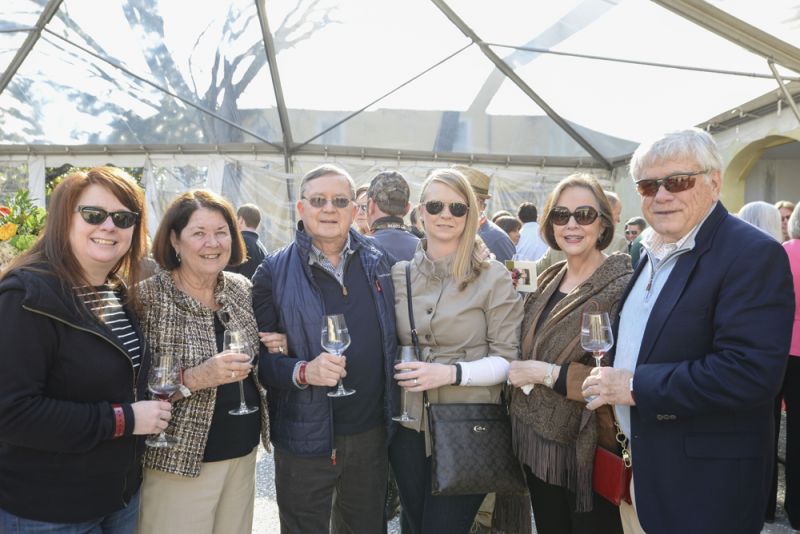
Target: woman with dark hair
<point x="206" y="483"/>
<point x="73" y="365"/>
<point x="510" y="225"/>
<point x="554" y="435"/>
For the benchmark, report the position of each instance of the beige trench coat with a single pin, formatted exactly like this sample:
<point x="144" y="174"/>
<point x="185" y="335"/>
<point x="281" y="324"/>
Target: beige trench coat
<point x="457" y="326"/>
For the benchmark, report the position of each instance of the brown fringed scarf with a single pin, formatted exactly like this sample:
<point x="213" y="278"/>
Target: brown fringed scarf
<point x="553" y="435"/>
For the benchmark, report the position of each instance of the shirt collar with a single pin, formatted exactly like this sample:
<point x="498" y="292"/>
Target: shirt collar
<point x="317" y="256"/>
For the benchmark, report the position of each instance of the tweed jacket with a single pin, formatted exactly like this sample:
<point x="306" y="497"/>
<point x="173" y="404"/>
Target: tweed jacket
<point x="456" y="326"/>
<point x="172" y="320"/>
<point x="555" y="435"/>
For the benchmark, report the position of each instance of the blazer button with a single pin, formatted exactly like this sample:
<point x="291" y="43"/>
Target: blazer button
<point x="429" y="310"/>
<point x="660" y="417"/>
<point x="673" y="417"/>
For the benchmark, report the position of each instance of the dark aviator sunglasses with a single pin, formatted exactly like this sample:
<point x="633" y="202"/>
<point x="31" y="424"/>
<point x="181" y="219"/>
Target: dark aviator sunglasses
<point x="457" y="209"/>
<point x="96" y="216"/>
<point x="674" y="183"/>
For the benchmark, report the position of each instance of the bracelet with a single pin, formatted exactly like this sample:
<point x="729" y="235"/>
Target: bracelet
<point x="458" y="375"/>
<point x="119" y="420"/>
<point x="301" y="374"/>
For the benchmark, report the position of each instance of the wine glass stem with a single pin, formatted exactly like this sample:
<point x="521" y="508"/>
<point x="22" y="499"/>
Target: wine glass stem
<point x="598" y="358"/>
<point x="241" y="392"/>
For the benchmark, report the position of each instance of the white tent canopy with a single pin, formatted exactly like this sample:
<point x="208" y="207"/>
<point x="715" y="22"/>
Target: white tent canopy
<point x="219" y="93"/>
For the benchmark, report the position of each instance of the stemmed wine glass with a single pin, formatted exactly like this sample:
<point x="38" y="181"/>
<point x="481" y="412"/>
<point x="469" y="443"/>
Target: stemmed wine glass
<point x="233" y="341"/>
<point x="163" y="380"/>
<point x="596" y="336"/>
<point x="405" y="354"/>
<point x="335" y="339"/>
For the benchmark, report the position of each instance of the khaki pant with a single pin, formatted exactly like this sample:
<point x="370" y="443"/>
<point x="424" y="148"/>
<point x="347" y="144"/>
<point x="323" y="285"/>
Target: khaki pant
<point x="628" y="515"/>
<point x="219" y="501"/>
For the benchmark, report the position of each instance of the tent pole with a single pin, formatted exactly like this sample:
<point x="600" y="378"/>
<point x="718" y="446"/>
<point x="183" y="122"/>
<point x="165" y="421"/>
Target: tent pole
<point x="785" y="91"/>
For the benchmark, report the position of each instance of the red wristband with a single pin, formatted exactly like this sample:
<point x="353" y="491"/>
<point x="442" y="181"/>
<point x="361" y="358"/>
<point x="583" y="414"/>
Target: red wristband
<point x="119" y="420"/>
<point x="301" y="374"/>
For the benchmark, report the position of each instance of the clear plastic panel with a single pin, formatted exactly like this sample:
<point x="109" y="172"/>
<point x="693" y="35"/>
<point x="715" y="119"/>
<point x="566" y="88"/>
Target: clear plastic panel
<point x="20" y="14"/>
<point x="212" y="55"/>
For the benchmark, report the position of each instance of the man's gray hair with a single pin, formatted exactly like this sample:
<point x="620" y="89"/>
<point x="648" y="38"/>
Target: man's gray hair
<point x="793" y="227"/>
<point x="763" y="216"/>
<point x="692" y="143"/>
<point x="324" y="170"/>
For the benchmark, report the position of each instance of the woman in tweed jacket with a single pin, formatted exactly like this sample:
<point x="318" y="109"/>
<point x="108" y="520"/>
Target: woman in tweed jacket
<point x="206" y="483"/>
<point x="554" y="435"/>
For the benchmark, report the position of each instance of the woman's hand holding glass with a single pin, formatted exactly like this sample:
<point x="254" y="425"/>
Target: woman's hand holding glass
<point x="422" y="376"/>
<point x="223" y="368"/>
<point x="151" y="416"/>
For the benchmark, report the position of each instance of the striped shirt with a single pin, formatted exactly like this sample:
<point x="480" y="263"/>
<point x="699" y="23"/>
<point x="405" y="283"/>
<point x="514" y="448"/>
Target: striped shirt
<point x="105" y="304"/>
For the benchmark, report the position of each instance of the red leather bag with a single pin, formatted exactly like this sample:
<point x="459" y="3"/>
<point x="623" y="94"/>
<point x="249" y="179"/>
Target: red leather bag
<point x="610" y="478"/>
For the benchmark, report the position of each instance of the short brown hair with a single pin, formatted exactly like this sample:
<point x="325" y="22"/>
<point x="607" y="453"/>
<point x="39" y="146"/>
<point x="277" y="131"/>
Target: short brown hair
<point x="53" y="247"/>
<point x="587" y="181"/>
<point x="250" y="214"/>
<point x="176" y="218"/>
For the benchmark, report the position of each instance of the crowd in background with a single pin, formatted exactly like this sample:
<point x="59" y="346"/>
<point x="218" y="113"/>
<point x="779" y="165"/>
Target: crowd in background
<point x="238" y="346"/>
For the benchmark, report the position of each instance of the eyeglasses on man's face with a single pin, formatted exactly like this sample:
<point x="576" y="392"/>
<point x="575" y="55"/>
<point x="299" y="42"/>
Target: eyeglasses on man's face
<point x="320" y="202"/>
<point x="362" y="208"/>
<point x="674" y="183"/>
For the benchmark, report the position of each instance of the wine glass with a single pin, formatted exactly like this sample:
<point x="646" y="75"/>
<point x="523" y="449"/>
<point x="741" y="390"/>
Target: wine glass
<point x="405" y="354"/>
<point x="163" y="380"/>
<point x="335" y="339"/>
<point x="233" y="341"/>
<point x="596" y="336"/>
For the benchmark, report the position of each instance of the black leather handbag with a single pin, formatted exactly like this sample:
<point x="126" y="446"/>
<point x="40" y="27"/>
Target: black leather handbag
<point x="470" y="443"/>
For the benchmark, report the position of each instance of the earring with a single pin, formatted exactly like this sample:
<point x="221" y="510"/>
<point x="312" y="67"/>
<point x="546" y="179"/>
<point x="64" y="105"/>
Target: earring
<point x="178" y="255"/>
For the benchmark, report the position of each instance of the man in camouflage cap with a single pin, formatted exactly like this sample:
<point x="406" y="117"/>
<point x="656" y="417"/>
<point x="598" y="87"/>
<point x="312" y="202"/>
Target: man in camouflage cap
<point x="387" y="204"/>
<point x="497" y="241"/>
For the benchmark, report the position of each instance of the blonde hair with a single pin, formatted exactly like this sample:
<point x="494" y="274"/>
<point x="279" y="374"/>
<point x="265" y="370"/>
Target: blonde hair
<point x="467" y="263"/>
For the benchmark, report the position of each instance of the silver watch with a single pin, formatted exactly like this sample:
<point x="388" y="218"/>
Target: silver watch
<point x="548" y="377"/>
<point x="186" y="392"/>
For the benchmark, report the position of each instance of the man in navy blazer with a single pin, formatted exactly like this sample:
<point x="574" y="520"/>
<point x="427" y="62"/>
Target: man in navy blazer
<point x="702" y="338"/>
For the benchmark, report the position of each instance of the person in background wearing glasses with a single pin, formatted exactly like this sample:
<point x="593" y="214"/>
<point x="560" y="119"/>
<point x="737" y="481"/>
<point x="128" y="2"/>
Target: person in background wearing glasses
<point x="703" y="337"/>
<point x="786" y="208"/>
<point x="467" y="315"/>
<point x="330" y="454"/>
<point x="206" y="483"/>
<point x="633" y="228"/>
<point x="554" y="435"/>
<point x="361" y="221"/>
<point x="74" y="365"/>
<point x="492" y="235"/>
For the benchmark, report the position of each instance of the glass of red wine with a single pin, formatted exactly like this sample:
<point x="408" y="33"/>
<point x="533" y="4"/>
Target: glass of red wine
<point x="163" y="381"/>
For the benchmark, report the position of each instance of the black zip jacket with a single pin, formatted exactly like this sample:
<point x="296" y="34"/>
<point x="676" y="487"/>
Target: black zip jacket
<point x="61" y="370"/>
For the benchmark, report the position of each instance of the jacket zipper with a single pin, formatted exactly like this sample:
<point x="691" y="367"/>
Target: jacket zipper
<point x="124" y="354"/>
<point x="101" y="336"/>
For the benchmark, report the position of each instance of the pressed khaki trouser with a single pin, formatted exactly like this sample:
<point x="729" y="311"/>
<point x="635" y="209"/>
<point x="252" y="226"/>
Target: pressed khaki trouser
<point x="219" y="501"/>
<point x="628" y="515"/>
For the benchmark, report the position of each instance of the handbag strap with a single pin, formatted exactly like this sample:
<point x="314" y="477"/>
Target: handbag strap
<point x="414" y="337"/>
<point x="622" y="439"/>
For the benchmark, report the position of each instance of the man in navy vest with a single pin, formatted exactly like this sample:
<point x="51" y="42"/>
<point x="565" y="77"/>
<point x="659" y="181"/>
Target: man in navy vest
<point x="330" y="453"/>
<point x="702" y="340"/>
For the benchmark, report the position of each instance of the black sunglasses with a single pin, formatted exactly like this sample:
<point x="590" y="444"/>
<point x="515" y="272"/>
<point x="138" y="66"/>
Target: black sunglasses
<point x="457" y="209"/>
<point x="584" y="215"/>
<point x="338" y="202"/>
<point x="674" y="183"/>
<point x="95" y="216"/>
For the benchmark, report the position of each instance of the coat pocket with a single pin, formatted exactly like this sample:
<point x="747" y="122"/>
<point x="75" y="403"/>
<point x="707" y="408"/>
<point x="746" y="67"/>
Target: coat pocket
<point x="723" y="446"/>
